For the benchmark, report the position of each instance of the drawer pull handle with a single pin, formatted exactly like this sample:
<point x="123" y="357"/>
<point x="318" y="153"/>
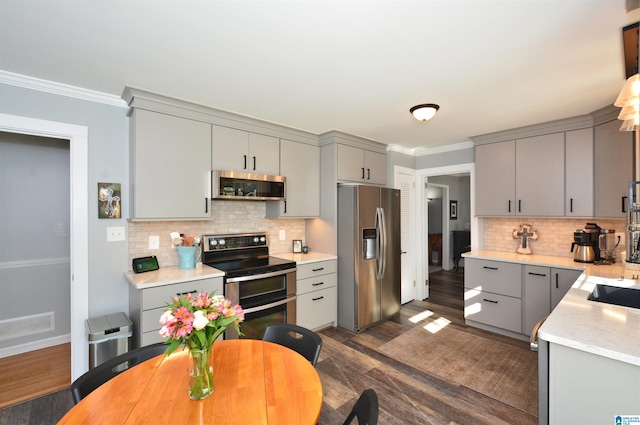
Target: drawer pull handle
<point x="557" y="276"/>
<point x="317" y="284"/>
<point x="490" y="268"/>
<point x="316" y="299"/>
<point x="185" y="293"/>
<point x="317" y="270"/>
<point x="490" y="301"/>
<point x="537" y="274"/>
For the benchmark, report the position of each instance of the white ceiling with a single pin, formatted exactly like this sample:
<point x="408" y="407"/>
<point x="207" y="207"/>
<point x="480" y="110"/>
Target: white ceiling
<point x="354" y="66"/>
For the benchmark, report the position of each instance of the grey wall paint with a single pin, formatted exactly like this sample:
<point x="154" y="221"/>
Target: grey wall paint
<point x="462" y="156"/>
<point x="34" y="230"/>
<point x="108" y="161"/>
<point x="400" y="159"/>
<point x="459" y="190"/>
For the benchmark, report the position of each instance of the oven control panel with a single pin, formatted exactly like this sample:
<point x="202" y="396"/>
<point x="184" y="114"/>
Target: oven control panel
<point x="237" y="241"/>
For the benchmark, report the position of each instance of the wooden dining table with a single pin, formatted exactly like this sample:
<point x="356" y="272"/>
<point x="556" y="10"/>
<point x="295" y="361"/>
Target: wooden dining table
<point x="256" y="382"/>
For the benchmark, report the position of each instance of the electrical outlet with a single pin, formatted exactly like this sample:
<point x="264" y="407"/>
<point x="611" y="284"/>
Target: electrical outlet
<point x="282" y="235"/>
<point x="115" y="234"/>
<point x="154" y="242"/>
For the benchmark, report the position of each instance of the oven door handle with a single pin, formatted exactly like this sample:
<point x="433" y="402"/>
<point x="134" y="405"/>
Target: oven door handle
<point x="260" y="276"/>
<point x="271" y="305"/>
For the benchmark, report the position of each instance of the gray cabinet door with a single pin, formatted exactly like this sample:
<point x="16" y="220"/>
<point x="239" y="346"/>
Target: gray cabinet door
<point x="350" y="163"/>
<point x="561" y="282"/>
<point x="300" y="164"/>
<point x="375" y="165"/>
<point x="264" y="154"/>
<point x="579" y="173"/>
<point x="537" y="297"/>
<point x="239" y="150"/>
<point x="540" y="176"/>
<point x="495" y="179"/>
<point x="613" y="155"/>
<point x="170" y="159"/>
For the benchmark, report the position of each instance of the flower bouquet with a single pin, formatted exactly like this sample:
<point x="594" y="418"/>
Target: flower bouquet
<point x="196" y="322"/>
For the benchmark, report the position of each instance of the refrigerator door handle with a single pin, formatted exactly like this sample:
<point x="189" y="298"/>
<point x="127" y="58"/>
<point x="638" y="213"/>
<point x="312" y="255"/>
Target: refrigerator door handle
<point x="381" y="229"/>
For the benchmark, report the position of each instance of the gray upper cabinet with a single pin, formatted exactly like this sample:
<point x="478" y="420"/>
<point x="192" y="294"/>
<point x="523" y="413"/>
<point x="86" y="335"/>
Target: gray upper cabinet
<point x="361" y="165"/>
<point x="613" y="169"/>
<point x="579" y="173"/>
<point x="521" y="177"/>
<point x="239" y="150"/>
<point x="540" y="176"/>
<point x="170" y="165"/>
<point x="495" y="178"/>
<point x="300" y="164"/>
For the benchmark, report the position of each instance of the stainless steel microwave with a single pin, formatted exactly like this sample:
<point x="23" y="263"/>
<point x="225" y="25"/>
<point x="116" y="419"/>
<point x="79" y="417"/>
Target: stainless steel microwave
<point x="247" y="186"/>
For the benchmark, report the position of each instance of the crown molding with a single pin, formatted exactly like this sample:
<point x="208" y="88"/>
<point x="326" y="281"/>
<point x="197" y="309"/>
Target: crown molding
<point x="33" y="83"/>
<point x="431" y="151"/>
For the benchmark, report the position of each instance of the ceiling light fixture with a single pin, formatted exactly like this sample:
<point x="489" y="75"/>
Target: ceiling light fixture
<point x="629" y="101"/>
<point x="424" y="112"/>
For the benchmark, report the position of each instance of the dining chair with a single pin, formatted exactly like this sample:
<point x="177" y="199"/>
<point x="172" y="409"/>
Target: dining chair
<point x="100" y="374"/>
<point x="365" y="409"/>
<point x="303" y="340"/>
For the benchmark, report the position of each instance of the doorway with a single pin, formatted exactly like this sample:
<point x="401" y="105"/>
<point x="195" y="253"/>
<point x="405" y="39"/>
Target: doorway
<point x="78" y="224"/>
<point x="440" y="175"/>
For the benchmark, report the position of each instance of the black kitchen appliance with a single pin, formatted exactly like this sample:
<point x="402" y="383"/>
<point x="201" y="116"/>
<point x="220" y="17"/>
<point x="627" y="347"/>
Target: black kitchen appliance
<point x="264" y="286"/>
<point x="585" y="244"/>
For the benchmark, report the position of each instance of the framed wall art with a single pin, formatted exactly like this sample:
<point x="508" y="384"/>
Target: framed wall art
<point x="453" y="210"/>
<point x="109" y="200"/>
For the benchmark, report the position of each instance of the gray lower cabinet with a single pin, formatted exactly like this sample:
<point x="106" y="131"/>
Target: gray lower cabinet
<point x="147" y="305"/>
<point x="300" y="164"/>
<point x="493" y="293"/>
<point x="317" y="303"/>
<point x="513" y="296"/>
<point x="537" y="293"/>
<point x="613" y="169"/>
<point x="544" y="287"/>
<point x="585" y="388"/>
<point x="170" y="162"/>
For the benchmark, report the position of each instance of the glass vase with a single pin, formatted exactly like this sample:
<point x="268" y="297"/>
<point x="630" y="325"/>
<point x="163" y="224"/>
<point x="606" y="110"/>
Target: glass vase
<point x="201" y="374"/>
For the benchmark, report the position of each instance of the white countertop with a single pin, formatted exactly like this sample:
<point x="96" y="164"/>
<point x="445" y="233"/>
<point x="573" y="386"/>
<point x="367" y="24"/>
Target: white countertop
<point x="171" y="274"/>
<point x="311" y="257"/>
<point x="603" y="329"/>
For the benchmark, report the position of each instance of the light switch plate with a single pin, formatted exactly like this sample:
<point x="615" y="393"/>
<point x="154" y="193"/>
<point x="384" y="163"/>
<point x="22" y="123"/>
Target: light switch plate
<point x="115" y="234"/>
<point x="154" y="242"/>
<point x="282" y="235"/>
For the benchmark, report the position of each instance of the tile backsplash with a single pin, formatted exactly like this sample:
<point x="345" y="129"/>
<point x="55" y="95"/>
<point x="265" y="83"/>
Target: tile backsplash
<point x="554" y="235"/>
<point x="227" y="217"/>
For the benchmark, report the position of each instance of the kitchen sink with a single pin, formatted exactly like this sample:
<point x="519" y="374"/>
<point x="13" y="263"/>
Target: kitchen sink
<point x="626" y="297"/>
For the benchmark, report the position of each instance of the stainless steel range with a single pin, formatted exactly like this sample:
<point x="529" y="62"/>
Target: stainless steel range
<point x="264" y="286"/>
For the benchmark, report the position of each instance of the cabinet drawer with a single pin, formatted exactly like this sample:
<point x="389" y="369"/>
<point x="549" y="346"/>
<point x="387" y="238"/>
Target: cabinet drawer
<point x="305" y="271"/>
<point x="317" y="308"/>
<point x="493" y="309"/>
<point x="493" y="276"/>
<point x="159" y="296"/>
<point x="149" y="338"/>
<point x="150" y="319"/>
<point x="315" y="283"/>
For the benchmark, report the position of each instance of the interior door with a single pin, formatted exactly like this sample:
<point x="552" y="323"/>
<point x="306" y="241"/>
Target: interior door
<point x="406" y="184"/>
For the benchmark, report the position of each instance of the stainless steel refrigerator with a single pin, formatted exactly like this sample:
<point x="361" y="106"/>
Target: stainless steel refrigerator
<point x="368" y="255"/>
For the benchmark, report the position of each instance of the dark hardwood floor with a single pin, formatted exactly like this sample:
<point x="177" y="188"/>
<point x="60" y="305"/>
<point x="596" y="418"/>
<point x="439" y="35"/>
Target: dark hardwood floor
<point x="350" y="363"/>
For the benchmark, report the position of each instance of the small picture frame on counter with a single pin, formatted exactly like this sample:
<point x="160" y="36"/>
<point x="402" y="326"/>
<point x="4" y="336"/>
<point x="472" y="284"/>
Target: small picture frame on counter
<point x="297" y="246"/>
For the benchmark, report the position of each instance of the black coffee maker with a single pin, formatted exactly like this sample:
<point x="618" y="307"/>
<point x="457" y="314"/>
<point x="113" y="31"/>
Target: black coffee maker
<point x="586" y="244"/>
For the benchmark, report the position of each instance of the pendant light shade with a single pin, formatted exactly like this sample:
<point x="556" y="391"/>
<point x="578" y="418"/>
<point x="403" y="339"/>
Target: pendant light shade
<point x="629" y="101"/>
<point x="425" y="111"/>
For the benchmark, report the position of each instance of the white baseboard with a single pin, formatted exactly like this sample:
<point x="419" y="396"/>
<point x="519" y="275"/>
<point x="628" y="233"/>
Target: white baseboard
<point x="35" y="345"/>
